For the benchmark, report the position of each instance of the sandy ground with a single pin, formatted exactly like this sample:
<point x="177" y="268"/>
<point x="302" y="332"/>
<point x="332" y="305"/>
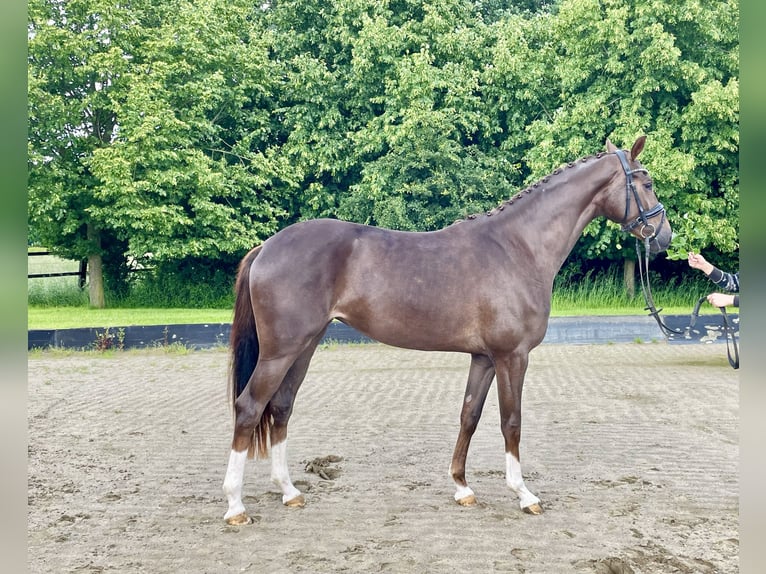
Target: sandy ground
<point x="632" y="448"/>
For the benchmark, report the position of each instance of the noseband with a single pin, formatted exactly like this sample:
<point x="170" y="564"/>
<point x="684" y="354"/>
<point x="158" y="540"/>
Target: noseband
<point x="648" y="230"/>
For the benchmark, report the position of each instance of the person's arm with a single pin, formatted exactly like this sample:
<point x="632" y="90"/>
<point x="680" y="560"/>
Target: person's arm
<point x="726" y="281"/>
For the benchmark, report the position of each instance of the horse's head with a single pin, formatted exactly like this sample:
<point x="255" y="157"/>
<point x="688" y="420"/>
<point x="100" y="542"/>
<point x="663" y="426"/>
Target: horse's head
<point x="643" y="216"/>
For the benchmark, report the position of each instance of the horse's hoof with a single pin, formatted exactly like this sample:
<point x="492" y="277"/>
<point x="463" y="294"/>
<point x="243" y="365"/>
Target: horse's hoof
<point x="533" y="509"/>
<point x="296" y="502"/>
<point x="469" y="500"/>
<point x="239" y="520"/>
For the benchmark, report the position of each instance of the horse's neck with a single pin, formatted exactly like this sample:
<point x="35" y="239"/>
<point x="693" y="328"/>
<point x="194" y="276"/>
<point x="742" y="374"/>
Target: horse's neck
<point x="549" y="218"/>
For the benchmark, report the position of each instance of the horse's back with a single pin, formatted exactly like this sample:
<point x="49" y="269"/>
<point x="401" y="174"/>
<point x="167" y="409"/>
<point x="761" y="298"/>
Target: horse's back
<point x="334" y="242"/>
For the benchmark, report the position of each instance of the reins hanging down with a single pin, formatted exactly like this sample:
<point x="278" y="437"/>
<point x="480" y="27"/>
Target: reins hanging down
<point x="728" y="328"/>
<point x="643" y="271"/>
<point x="732" y="348"/>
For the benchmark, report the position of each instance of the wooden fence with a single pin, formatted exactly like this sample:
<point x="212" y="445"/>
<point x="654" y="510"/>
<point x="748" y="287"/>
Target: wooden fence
<point x="82" y="272"/>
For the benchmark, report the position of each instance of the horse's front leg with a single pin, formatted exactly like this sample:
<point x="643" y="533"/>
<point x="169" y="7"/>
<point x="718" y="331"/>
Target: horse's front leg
<point x="479" y="380"/>
<point x="510" y="380"/>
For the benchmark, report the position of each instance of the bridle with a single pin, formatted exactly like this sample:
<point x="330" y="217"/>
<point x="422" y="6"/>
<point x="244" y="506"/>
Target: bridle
<point x="648" y="233"/>
<point x="648" y="230"/>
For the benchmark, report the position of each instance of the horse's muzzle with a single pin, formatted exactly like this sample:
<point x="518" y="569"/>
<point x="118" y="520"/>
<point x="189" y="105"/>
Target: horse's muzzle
<point x="661" y="240"/>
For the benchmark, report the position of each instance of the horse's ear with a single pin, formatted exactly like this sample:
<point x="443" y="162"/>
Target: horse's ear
<point x="610" y="147"/>
<point x="637" y="147"/>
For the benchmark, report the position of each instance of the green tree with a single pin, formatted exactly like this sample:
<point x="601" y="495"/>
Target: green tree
<point x="71" y="65"/>
<point x="428" y="155"/>
<point x="494" y="10"/>
<point x="383" y="113"/>
<point x="666" y="69"/>
<point x="149" y="131"/>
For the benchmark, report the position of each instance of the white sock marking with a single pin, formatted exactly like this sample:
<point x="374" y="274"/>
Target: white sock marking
<point x="232" y="484"/>
<point x="462" y="491"/>
<point x="516" y="481"/>
<point x="279" y="473"/>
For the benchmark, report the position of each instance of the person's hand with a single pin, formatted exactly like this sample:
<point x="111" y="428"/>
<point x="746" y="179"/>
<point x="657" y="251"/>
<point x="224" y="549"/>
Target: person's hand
<point x="696" y="261"/>
<point x="720" y="299"/>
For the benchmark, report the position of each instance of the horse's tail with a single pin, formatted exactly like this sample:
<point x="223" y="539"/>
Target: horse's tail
<point x="244" y="353"/>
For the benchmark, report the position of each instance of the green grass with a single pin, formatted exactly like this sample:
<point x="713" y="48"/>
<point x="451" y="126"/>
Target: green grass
<point x="604" y="294"/>
<point x="73" y="317"/>
<point x="58" y="303"/>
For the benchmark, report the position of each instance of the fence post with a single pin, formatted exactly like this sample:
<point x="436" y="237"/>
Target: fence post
<point x="83" y="273"/>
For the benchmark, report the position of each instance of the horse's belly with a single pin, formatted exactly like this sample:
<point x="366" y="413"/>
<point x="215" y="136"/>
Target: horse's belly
<point x="410" y="331"/>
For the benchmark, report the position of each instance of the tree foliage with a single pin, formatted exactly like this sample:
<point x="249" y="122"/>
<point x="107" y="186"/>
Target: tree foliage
<point x="194" y="129"/>
<point x="149" y="129"/>
<point x="669" y="70"/>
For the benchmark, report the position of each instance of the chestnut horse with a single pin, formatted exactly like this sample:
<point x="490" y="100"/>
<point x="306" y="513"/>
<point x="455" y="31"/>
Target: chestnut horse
<point x="480" y="286"/>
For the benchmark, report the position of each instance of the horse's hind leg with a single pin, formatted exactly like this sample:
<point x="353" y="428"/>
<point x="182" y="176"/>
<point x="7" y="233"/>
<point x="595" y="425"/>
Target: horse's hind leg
<point x="281" y="408"/>
<point x="479" y="380"/>
<point x="249" y="407"/>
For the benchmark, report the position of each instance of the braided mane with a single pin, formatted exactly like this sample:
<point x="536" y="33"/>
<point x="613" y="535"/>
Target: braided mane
<point x="529" y="189"/>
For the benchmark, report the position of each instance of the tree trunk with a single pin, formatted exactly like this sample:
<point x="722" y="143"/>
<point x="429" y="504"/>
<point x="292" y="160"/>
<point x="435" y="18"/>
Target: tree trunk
<point x="95" y="271"/>
<point x="629" y="277"/>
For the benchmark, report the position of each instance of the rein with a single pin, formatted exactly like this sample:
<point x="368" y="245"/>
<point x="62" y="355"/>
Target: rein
<point x="643" y="271"/>
<point x="728" y="330"/>
<point x="732" y="348"/>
